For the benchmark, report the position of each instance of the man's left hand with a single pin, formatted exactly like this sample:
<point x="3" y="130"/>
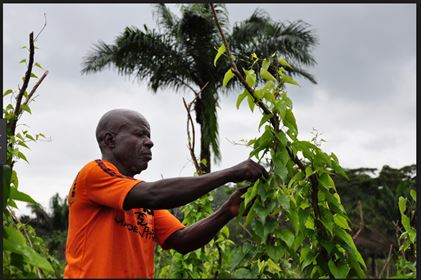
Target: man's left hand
<point x="234" y="201"/>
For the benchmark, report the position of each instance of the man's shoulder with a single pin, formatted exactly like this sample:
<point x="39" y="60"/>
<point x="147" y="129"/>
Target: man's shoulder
<point x="89" y="168"/>
<point x="102" y="169"/>
<point x="90" y="165"/>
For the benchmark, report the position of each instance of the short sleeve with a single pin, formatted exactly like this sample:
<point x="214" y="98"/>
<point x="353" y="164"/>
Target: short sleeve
<point x="105" y="186"/>
<point x="165" y="225"/>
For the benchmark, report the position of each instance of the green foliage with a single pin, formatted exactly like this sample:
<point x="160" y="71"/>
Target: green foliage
<point x="406" y="263"/>
<point x="370" y="197"/>
<point x="298" y="225"/>
<point x="50" y="225"/>
<point x="204" y="262"/>
<point x="378" y="194"/>
<point x="220" y="52"/>
<point x="24" y="254"/>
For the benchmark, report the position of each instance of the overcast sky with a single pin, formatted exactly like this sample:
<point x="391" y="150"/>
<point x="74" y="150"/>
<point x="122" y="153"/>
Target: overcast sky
<point x="364" y="103"/>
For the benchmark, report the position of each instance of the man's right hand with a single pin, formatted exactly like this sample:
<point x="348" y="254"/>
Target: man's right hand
<point x="247" y="170"/>
<point x="174" y="192"/>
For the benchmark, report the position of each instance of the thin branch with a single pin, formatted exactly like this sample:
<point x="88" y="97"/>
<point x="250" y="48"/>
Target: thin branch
<point x="25" y="83"/>
<point x="201" y="90"/>
<point x="16" y="221"/>
<point x="219" y="258"/>
<point x="237" y="73"/>
<point x="197" y="94"/>
<point x="45" y="24"/>
<point x="275" y="123"/>
<point x="361" y="225"/>
<point x="35" y="88"/>
<point x="191" y="142"/>
<point x="245" y="229"/>
<point x="274" y="120"/>
<point x="232" y="142"/>
<point x="187" y="85"/>
<point x="386" y="263"/>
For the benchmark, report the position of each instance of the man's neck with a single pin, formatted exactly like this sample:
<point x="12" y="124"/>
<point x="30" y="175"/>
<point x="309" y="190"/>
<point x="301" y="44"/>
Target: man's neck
<point x="119" y="166"/>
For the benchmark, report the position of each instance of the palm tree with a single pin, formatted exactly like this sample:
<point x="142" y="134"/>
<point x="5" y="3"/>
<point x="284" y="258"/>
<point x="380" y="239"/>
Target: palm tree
<point x="50" y="225"/>
<point x="181" y="56"/>
<point x="45" y="221"/>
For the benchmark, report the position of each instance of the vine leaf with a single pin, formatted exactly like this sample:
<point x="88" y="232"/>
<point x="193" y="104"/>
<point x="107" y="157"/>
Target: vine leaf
<point x="340" y="271"/>
<point x="15" y="242"/>
<point x="251" y="102"/>
<point x="287" y="236"/>
<point x="289" y="80"/>
<point x="283" y="62"/>
<point x="241" y="98"/>
<point x="21" y="196"/>
<point x="227" y="77"/>
<point x="221" y="51"/>
<point x="7" y="92"/>
<point x="340" y="220"/>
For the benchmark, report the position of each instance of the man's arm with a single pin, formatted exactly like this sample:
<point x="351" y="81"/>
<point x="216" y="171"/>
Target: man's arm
<point x="195" y="236"/>
<point x="170" y="193"/>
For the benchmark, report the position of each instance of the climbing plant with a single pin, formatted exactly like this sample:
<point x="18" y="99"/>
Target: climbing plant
<point x="299" y="226"/>
<point x="207" y="261"/>
<point x="296" y="225"/>
<point x="24" y="253"/>
<point x="406" y="263"/>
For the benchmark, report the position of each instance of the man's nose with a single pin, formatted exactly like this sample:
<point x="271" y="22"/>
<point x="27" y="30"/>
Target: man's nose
<point x="149" y="143"/>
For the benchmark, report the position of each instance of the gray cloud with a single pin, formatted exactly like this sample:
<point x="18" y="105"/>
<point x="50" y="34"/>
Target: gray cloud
<point x="364" y="103"/>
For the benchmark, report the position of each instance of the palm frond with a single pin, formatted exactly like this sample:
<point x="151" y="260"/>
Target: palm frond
<point x="42" y="219"/>
<point x="249" y="28"/>
<point x="202" y="10"/>
<point x="297" y="41"/>
<point x="166" y="19"/>
<point x="145" y="54"/>
<point x="223" y="17"/>
<point x="100" y="56"/>
<point x="259" y="34"/>
<point x="297" y="71"/>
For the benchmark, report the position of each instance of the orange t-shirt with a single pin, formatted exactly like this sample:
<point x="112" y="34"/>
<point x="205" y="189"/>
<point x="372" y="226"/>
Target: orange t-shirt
<point x="103" y="240"/>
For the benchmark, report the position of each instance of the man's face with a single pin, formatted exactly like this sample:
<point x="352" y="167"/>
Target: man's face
<point x="133" y="146"/>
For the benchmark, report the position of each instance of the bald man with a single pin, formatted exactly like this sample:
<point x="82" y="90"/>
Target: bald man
<point x="115" y="220"/>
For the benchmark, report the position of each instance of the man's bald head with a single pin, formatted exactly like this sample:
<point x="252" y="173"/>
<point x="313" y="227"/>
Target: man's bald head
<point x="114" y="121"/>
<point x="124" y="137"/>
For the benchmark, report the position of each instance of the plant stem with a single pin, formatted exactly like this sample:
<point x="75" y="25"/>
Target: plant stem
<point x="275" y="123"/>
<point x="24" y="85"/>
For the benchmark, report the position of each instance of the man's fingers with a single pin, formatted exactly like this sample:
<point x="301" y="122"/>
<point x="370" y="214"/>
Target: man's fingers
<point x="263" y="171"/>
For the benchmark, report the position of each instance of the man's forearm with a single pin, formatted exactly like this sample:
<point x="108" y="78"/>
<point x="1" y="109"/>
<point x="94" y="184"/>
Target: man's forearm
<point x="170" y="193"/>
<point x="174" y="192"/>
<point x="199" y="234"/>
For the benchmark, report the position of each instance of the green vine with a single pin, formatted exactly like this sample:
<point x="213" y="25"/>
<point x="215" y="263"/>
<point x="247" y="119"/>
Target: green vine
<point x="406" y="263"/>
<point x="299" y="226"/>
<point x="24" y="255"/>
<point x="204" y="262"/>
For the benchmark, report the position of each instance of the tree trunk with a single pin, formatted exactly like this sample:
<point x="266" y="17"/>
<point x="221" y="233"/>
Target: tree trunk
<point x="205" y="110"/>
<point x="205" y="163"/>
<point x="204" y="160"/>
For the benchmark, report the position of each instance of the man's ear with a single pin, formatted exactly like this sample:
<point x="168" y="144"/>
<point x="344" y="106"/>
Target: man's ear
<point x="109" y="140"/>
